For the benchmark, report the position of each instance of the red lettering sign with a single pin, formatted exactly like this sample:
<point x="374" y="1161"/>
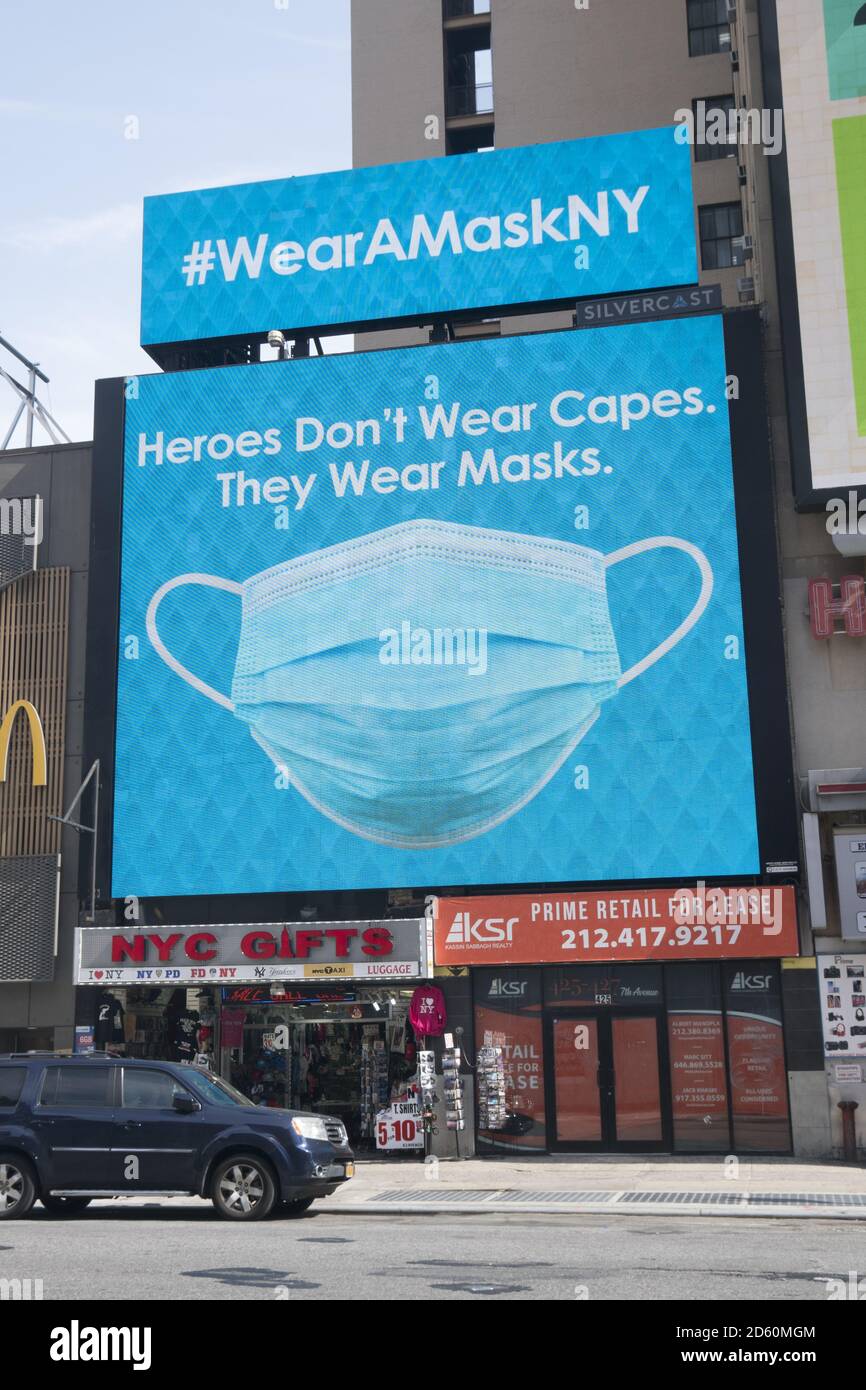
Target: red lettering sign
<point x="121" y="949"/>
<point x="378" y="941"/>
<point x="259" y="945"/>
<point x="195" y="944"/>
<point x="849" y="608"/>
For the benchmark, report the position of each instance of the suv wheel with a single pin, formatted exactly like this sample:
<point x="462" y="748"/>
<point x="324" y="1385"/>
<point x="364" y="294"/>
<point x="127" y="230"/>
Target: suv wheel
<point x="297" y="1207"/>
<point x="242" y="1188"/>
<point x="17" y="1186"/>
<point x="65" y="1206"/>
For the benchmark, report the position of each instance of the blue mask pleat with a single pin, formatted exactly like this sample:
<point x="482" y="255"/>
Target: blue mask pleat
<point x="417" y="752"/>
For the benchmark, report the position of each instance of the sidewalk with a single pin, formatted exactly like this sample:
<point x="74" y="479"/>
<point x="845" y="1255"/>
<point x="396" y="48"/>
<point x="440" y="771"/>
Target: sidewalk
<point x="613" y="1183"/>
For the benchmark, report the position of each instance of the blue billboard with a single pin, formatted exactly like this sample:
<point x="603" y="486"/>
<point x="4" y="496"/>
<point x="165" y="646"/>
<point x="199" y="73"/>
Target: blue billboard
<point x="512" y="226"/>
<point x="461" y="614"/>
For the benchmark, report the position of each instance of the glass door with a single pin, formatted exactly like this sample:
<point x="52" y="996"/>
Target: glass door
<point x="577" y="1114"/>
<point x="605" y="1088"/>
<point x="636" y="1080"/>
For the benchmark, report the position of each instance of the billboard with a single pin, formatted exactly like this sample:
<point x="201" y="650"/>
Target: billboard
<point x="815" y="55"/>
<point x="514" y="226"/>
<point x="627" y="925"/>
<point x="447" y="615"/>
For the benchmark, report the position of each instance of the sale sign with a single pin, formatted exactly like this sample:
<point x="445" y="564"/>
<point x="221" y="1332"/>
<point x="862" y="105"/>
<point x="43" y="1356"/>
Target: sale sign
<point x="686" y="923"/>
<point x="400" y="1126"/>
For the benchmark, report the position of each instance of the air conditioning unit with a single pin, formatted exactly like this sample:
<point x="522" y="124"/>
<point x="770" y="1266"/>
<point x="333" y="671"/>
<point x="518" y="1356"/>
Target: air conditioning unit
<point x="744" y="247"/>
<point x="735" y="60"/>
<point x="742" y="175"/>
<point x="746" y="289"/>
<point x="732" y="12"/>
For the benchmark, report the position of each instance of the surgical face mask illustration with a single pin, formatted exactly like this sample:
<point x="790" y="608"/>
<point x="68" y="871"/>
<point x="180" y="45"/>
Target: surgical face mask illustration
<point x="418" y="757"/>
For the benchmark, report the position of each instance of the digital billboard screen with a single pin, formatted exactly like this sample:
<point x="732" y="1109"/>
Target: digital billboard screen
<point x="815" y="57"/>
<point x="512" y="226"/>
<point x="455" y="614"/>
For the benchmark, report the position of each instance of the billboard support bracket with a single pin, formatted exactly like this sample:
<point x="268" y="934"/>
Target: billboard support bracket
<point x="89" y="829"/>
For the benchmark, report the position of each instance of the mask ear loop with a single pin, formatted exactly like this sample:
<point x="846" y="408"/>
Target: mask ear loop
<point x="703" y="564"/>
<point x="209" y="581"/>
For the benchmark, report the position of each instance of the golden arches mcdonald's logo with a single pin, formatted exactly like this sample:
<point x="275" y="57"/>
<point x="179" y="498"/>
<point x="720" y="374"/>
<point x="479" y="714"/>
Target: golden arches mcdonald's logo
<point x="37" y="740"/>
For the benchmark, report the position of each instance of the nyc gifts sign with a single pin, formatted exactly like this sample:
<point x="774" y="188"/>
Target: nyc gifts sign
<point x="514" y="226"/>
<point x="254" y="952"/>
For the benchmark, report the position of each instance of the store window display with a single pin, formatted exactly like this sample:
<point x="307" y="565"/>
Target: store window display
<point x="345" y="1058"/>
<point x="168" y="1025"/>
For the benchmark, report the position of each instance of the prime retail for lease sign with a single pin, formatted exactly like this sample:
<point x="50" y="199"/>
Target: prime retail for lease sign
<point x="688" y="923"/>
<point x="515" y="226"/>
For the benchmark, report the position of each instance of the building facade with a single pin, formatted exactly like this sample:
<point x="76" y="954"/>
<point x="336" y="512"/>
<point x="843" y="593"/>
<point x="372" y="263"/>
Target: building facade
<point x="45" y="548"/>
<point x="702" y="1018"/>
<point x="478" y="74"/>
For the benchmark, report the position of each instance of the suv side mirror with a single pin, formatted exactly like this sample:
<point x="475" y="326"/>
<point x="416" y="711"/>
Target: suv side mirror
<point x="185" y="1105"/>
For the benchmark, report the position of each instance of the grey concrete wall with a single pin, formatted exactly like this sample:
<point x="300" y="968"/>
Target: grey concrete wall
<point x="61" y="477"/>
<point x="810" y="1114"/>
<point x="616" y="66"/>
<point x="397" y="80"/>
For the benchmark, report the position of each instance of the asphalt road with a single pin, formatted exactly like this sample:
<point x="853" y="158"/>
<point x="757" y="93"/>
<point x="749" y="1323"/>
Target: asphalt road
<point x="185" y="1252"/>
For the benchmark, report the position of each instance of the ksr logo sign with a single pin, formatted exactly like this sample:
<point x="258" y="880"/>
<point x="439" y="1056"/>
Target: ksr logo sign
<point x="483" y="931"/>
<point x="507" y="988"/>
<point x="743" y="981"/>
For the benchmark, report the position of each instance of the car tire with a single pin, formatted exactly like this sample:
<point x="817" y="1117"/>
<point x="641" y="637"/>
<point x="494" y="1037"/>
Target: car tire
<point x="65" y="1206"/>
<point x="297" y="1206"/>
<point x="17" y="1186"/>
<point x="243" y="1188"/>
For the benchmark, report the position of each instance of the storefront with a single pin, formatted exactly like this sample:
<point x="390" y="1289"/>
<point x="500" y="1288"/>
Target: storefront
<point x="338" y="1051"/>
<point x="637" y="1021"/>
<point x="310" y="1015"/>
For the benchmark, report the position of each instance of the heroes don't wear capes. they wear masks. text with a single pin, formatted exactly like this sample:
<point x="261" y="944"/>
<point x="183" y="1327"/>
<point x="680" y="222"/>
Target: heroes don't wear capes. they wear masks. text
<point x="418" y="757"/>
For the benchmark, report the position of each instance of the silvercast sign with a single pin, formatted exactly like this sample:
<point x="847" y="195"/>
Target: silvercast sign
<point x="390" y="949"/>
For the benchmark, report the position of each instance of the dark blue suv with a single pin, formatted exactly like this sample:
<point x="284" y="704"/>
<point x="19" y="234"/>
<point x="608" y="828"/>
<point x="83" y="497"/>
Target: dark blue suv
<point x="74" y="1128"/>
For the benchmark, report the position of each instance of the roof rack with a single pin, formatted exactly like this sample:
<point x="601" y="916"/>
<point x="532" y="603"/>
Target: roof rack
<point x="78" y="1056"/>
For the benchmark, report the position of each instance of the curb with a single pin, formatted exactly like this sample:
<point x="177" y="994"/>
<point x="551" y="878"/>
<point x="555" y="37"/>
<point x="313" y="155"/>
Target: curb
<point x="634" y="1208"/>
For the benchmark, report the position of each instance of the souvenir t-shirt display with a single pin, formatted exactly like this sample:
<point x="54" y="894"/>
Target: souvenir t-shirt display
<point x="108" y="1024"/>
<point x="183" y="1028"/>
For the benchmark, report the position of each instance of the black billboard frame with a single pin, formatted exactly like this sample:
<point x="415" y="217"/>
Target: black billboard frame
<point x="769" y="714"/>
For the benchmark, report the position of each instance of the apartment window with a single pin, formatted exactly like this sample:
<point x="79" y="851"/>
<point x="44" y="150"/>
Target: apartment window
<point x="470" y="82"/>
<point x="719" y="223"/>
<point x="709" y="30"/>
<point x="458" y="9"/>
<point x="710" y="125"/>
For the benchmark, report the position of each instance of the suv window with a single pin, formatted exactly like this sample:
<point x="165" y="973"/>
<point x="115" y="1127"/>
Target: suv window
<point x="82" y="1088"/>
<point x="11" y="1084"/>
<point x="152" y="1090"/>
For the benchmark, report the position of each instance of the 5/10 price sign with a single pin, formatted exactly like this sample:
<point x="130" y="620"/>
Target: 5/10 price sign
<point x="400" y="1127"/>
